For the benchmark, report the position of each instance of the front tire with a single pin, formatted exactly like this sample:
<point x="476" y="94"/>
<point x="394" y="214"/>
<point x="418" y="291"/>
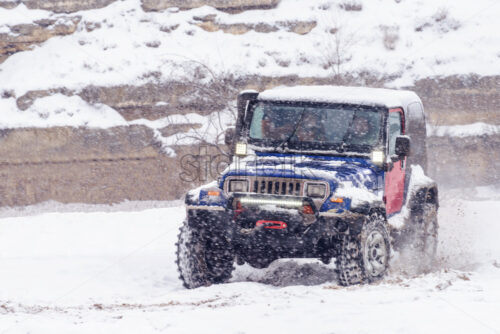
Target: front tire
<point x="203" y="258"/>
<point x="364" y="258"/>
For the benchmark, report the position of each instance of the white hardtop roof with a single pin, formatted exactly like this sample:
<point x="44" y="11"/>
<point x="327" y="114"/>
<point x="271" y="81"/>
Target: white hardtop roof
<point x="342" y="94"/>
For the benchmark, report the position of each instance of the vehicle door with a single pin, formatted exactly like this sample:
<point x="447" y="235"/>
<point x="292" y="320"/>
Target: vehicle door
<point x="395" y="175"/>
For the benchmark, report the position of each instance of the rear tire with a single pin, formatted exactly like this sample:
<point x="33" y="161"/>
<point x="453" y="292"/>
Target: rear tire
<point x="424" y="237"/>
<point x="203" y="258"/>
<point x="364" y="257"/>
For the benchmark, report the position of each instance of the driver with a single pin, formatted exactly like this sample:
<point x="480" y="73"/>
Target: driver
<point x="311" y="128"/>
<point x="271" y="129"/>
<point x="267" y="126"/>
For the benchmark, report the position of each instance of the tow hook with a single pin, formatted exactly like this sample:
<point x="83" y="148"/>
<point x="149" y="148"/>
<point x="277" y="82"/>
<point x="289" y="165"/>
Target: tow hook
<point x="272" y="224"/>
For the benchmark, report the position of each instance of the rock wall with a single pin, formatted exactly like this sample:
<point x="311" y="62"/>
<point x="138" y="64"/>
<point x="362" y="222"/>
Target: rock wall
<point x="57" y="6"/>
<point x="9" y="4"/>
<point x="461" y="99"/>
<point x="157" y="5"/>
<point x="464" y="162"/>
<point x="80" y="165"/>
<point x="70" y="6"/>
<point x="448" y="101"/>
<point x="126" y="163"/>
<point x="23" y="37"/>
<point x="298" y="27"/>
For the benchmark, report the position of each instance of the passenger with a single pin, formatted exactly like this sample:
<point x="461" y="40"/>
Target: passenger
<point x="361" y="131"/>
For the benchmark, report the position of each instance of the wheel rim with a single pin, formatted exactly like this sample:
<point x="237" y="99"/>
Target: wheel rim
<point x="375" y="254"/>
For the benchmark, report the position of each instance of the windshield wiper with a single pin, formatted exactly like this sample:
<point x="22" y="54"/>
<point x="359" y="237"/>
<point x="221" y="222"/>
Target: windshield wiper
<point x="296" y="126"/>
<point x="347" y="135"/>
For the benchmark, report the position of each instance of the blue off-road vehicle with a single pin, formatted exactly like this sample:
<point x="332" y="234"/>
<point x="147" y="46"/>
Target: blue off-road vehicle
<point x="317" y="172"/>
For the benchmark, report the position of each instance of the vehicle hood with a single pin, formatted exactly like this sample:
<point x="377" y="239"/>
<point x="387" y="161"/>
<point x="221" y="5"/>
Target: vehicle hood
<point x="357" y="172"/>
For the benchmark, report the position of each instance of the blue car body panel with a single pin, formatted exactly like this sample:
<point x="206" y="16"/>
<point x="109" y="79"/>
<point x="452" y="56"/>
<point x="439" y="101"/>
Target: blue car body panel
<point x="360" y="172"/>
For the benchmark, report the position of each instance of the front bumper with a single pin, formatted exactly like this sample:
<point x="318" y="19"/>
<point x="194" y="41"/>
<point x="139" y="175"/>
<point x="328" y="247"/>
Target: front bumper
<point x="260" y="230"/>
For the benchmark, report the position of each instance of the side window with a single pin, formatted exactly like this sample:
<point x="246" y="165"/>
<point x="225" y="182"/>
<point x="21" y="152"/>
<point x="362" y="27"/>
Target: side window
<point x="416" y="117"/>
<point x="416" y="113"/>
<point x="256" y="126"/>
<point x="394" y="130"/>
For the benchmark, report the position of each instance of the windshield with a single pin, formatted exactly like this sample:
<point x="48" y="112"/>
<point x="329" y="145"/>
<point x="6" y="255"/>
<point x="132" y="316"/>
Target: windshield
<point x="316" y="127"/>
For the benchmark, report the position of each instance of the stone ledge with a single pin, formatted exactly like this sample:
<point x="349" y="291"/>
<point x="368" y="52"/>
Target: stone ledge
<point x="298" y="27"/>
<point x="82" y="165"/>
<point x="23" y="37"/>
<point x="68" y="144"/>
<point x="457" y="161"/>
<point x="229" y="5"/>
<point x="154" y="101"/>
<point x="9" y="4"/>
<point x="57" y="6"/>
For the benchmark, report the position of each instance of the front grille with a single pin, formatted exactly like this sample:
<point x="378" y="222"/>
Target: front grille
<point x="277" y="186"/>
<point x="273" y="186"/>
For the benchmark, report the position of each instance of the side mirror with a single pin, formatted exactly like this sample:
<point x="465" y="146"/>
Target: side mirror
<point x="229" y="136"/>
<point x="403" y="146"/>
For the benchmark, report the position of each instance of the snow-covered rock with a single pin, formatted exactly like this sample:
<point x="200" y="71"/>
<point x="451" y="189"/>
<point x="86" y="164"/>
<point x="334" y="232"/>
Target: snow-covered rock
<point x="157" y="5"/>
<point x="22" y="37"/>
<point x="57" y="6"/>
<point x="131" y="44"/>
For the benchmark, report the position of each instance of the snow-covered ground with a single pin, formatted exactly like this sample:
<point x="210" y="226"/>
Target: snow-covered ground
<point x="101" y="269"/>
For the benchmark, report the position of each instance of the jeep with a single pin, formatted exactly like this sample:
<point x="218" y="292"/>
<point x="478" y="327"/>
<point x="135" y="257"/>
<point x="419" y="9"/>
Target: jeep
<point x="321" y="172"/>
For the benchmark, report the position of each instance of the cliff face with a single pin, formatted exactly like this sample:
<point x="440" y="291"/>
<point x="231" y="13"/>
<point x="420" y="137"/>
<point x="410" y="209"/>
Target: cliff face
<point x="170" y="86"/>
<point x="70" y="6"/>
<point x="57" y="6"/>
<point x="23" y="37"/>
<point x="82" y="165"/>
<point x="238" y="5"/>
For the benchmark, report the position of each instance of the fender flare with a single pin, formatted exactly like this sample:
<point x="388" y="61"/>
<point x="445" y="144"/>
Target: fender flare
<point x="365" y="211"/>
<point x="423" y="194"/>
<point x="420" y="189"/>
